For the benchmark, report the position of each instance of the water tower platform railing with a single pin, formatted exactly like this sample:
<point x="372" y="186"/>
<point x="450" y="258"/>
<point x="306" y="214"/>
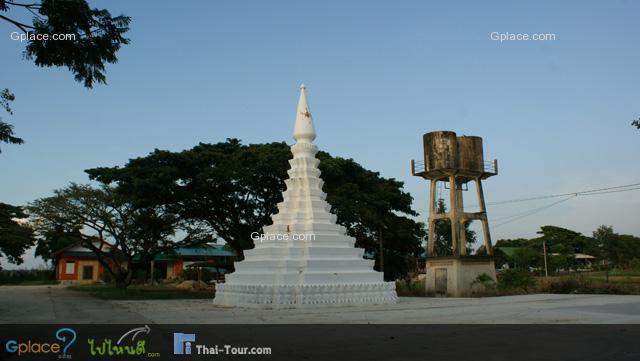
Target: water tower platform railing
<point x="418" y="169"/>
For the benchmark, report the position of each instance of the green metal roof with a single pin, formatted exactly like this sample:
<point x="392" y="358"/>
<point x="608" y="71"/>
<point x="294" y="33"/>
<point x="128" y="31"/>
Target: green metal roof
<point x="508" y="250"/>
<point x="79" y="253"/>
<point x="195" y="252"/>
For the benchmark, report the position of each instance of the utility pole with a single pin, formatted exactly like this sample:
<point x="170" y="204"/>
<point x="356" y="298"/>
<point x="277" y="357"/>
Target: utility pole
<point x="544" y="251"/>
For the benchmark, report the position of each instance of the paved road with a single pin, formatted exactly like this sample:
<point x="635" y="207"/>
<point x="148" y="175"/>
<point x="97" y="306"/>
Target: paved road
<point x="54" y="304"/>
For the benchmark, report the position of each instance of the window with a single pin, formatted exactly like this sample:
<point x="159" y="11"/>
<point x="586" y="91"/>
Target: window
<point x="70" y="267"/>
<point x="87" y="272"/>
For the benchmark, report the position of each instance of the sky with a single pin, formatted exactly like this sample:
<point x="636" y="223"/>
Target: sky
<point x="379" y="74"/>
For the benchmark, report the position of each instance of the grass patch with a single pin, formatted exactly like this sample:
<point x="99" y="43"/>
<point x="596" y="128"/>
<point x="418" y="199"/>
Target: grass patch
<point x="590" y="284"/>
<point x="36" y="283"/>
<point x="139" y="292"/>
<point x="27" y="277"/>
<point x="518" y="282"/>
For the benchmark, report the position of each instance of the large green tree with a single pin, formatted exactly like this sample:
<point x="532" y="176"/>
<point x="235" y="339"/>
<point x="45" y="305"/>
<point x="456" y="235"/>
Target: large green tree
<point x="122" y="234"/>
<point x="233" y="189"/>
<point x="16" y="235"/>
<point x="54" y="238"/>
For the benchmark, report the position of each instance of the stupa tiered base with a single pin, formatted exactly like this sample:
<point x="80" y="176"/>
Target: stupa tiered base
<point x="305" y="295"/>
<point x="308" y="260"/>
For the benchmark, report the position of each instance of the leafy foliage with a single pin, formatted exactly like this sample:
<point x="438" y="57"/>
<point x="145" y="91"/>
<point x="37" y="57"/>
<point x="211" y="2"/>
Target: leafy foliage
<point x="516" y="279"/>
<point x="233" y="190"/>
<point x="443" y="243"/>
<point x="6" y="130"/>
<point x="98" y="36"/>
<point x="15" y="236"/>
<point x="54" y="239"/>
<point x="620" y="251"/>
<point x="101" y="214"/>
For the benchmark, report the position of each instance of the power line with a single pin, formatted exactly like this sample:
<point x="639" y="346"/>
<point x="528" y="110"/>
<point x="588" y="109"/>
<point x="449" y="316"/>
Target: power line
<point x="587" y="192"/>
<point x="518" y="216"/>
<point x="569" y="196"/>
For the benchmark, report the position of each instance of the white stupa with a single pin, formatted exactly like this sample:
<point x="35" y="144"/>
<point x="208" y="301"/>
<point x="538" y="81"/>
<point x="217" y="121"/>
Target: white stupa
<point x="305" y="258"/>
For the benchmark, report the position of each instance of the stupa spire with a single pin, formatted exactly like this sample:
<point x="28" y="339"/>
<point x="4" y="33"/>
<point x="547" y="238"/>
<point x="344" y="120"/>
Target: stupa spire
<point x="304" y="257"/>
<point x="303" y="130"/>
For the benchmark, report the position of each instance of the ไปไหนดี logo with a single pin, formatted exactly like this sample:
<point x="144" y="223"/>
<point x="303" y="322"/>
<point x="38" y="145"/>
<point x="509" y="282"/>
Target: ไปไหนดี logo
<point x="126" y="345"/>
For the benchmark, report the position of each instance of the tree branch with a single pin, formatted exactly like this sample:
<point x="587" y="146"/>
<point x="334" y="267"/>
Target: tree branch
<point x="20" y="26"/>
<point x="28" y="6"/>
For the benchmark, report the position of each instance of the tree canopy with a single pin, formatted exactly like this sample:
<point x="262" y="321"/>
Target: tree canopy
<point x="563" y="244"/>
<point x="15" y="236"/>
<point x="97" y="36"/>
<point x="118" y="231"/>
<point x="233" y="189"/>
<point x="6" y="129"/>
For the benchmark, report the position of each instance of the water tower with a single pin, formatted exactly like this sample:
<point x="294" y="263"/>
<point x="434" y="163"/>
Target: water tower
<point x="454" y="162"/>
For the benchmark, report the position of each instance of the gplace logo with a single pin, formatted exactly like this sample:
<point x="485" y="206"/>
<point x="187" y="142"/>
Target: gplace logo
<point x="67" y="336"/>
<point x="182" y="343"/>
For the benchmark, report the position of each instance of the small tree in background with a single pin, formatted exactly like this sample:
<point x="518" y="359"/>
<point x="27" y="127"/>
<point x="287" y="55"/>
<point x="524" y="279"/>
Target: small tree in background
<point x="442" y="229"/>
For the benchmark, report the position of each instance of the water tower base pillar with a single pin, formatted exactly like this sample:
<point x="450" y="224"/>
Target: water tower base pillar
<point x="453" y="276"/>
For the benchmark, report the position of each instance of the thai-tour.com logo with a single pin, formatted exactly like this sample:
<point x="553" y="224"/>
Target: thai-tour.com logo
<point x="59" y="345"/>
<point x="131" y="343"/>
<point x="185" y="344"/>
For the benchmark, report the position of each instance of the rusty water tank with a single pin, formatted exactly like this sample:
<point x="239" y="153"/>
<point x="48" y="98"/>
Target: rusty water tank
<point x="470" y="155"/>
<point x="440" y="150"/>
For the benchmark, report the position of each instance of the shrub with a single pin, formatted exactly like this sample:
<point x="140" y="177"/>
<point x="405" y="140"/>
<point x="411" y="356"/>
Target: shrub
<point x="409" y="288"/>
<point x="516" y="279"/>
<point x="579" y="284"/>
<point x="192" y="274"/>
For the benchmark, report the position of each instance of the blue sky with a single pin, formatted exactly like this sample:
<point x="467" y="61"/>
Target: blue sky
<point x="379" y="74"/>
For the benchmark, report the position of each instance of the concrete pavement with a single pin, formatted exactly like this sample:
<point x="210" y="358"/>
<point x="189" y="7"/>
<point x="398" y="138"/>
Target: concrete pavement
<point x="54" y="304"/>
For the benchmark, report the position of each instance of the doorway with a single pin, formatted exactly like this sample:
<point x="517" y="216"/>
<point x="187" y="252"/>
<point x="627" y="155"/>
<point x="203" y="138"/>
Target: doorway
<point x="87" y="273"/>
<point x="441" y="281"/>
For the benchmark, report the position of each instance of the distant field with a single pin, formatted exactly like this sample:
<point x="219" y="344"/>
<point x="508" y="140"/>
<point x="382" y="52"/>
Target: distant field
<point x="619" y="282"/>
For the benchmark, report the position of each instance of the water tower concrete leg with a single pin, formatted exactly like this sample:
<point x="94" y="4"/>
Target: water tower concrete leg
<point x="432" y="212"/>
<point x="453" y="215"/>
<point x="486" y="235"/>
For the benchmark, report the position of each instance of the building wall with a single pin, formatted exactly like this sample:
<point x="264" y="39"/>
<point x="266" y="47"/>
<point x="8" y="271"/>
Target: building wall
<point x="175" y="268"/>
<point x="78" y="264"/>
